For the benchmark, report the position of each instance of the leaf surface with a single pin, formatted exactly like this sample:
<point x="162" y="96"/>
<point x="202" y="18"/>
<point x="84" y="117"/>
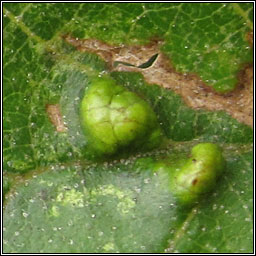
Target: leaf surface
<point x="70" y="204"/>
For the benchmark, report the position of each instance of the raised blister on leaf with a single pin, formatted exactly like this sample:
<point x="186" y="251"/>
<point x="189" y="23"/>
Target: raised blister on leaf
<point x="117" y="120"/>
<point x="199" y="173"/>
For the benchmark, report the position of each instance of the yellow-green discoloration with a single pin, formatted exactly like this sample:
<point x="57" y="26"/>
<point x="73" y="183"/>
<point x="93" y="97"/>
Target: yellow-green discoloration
<point x="72" y="197"/>
<point x="54" y="211"/>
<point x="126" y="202"/>
<point x="109" y="247"/>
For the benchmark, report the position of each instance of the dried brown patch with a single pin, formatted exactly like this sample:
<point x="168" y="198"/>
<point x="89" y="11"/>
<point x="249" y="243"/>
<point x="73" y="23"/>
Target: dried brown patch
<point x="249" y="38"/>
<point x="239" y="103"/>
<point x="55" y="117"/>
<point x="194" y="182"/>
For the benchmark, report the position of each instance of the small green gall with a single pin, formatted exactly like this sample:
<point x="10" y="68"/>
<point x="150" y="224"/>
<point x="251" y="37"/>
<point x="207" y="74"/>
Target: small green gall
<point x="199" y="173"/>
<point x="117" y="120"/>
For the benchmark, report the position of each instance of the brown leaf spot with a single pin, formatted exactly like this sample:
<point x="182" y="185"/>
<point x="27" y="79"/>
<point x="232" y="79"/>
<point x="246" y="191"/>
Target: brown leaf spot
<point x="194" y="182"/>
<point x="55" y="117"/>
<point x="249" y="37"/>
<point x="197" y="95"/>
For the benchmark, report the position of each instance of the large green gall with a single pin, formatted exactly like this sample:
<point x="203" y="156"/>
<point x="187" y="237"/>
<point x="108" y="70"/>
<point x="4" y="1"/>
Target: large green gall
<point x="117" y="120"/>
<point x="199" y="173"/>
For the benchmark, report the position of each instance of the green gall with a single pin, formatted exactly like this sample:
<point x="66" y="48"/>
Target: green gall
<point x="117" y="120"/>
<point x="199" y="173"/>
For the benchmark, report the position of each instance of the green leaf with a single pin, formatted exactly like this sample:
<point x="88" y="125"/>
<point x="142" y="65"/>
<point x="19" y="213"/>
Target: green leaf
<point x="56" y="199"/>
<point x="93" y="210"/>
<point x="223" y="223"/>
<point x="108" y="209"/>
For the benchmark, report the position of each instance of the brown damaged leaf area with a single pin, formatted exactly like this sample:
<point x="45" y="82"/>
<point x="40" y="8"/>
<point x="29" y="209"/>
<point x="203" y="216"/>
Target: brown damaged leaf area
<point x="55" y="117"/>
<point x="249" y="38"/>
<point x="239" y="103"/>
